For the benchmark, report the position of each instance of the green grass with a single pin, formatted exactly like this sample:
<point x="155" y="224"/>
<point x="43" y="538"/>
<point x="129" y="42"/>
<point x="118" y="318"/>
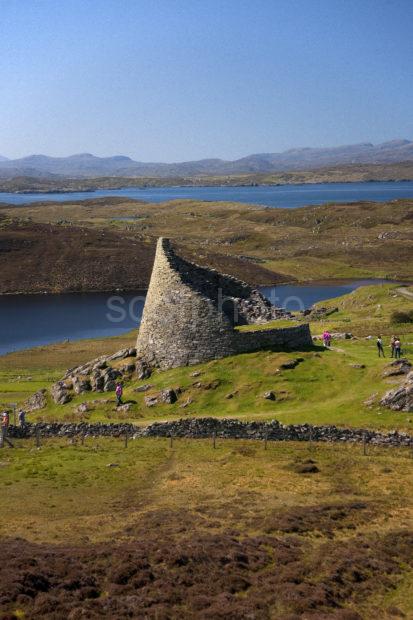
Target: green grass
<point x="192" y="496"/>
<point x="64" y="494"/>
<point x="323" y="389"/>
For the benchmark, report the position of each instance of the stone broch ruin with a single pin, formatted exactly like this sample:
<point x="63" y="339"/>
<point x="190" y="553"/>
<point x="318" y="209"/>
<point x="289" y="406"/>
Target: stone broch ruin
<point x="191" y="314"/>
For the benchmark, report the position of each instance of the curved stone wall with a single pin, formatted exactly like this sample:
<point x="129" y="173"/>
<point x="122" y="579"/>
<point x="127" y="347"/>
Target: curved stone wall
<point x="186" y="319"/>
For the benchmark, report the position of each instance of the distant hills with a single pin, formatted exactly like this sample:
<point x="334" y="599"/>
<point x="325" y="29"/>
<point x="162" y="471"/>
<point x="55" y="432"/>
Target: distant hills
<point x="87" y="165"/>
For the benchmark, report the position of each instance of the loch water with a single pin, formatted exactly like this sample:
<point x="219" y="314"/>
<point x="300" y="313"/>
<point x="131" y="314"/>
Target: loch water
<point x="32" y="320"/>
<point x="286" y="196"/>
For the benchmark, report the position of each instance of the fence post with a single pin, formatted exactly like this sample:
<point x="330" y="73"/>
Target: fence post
<point x="265" y="440"/>
<point x="214" y="440"/>
<point x="82" y="439"/>
<point x="37" y="437"/>
<point x="364" y="445"/>
<point x="310" y="441"/>
<point x="126" y="439"/>
<point x="170" y="440"/>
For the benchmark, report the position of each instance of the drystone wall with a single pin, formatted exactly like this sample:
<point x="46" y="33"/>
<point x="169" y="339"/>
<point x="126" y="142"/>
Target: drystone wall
<point x="224" y="428"/>
<point x="190" y="314"/>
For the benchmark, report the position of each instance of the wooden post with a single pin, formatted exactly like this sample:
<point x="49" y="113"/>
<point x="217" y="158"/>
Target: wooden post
<point x="170" y="440"/>
<point x="126" y="439"/>
<point x="214" y="440"/>
<point x="82" y="439"/>
<point x="37" y="437"/>
<point x="364" y="445"/>
<point x="310" y="440"/>
<point x="265" y="440"/>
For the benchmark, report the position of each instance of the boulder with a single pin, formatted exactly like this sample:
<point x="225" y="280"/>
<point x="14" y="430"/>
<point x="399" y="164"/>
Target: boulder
<point x="60" y="393"/>
<point x="81" y="384"/>
<point x="269" y="395"/>
<point x="397" y="368"/>
<point x="124" y="408"/>
<point x="400" y="398"/>
<point x="143" y="370"/>
<point x="168" y="396"/>
<point x="151" y="401"/>
<point x="97" y="381"/>
<point x="83" y="408"/>
<point x="342" y="336"/>
<point x="291" y="364"/>
<point x="143" y="388"/>
<point x="36" y="401"/>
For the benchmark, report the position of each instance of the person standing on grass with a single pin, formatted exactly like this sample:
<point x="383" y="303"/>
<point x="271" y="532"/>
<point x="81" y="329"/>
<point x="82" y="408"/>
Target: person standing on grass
<point x="380" y="349"/>
<point x="397" y="348"/>
<point x="118" y="392"/>
<point x="5" y="423"/>
<point x="22" y="418"/>
<point x="327" y="338"/>
<point x="392" y="341"/>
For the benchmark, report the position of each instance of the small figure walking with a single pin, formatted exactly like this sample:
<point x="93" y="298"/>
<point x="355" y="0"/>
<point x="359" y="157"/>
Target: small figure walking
<point x="380" y="349"/>
<point x="397" y="348"/>
<point x="5" y="423"/>
<point x="327" y="338"/>
<point x="22" y="419"/>
<point x="392" y="341"/>
<point x="118" y="392"/>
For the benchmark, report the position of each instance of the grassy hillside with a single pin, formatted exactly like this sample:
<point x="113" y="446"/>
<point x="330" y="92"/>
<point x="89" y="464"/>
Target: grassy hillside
<point x="325" y="388"/>
<point x="262" y="246"/>
<point x="350" y="173"/>
<point x="297" y="531"/>
<point x="197" y="532"/>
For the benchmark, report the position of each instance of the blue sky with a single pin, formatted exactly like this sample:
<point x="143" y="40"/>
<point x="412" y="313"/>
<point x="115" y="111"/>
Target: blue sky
<point x="172" y="80"/>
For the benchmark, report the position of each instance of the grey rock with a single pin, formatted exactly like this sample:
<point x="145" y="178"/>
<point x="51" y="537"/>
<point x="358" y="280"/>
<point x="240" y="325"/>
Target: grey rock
<point x="60" y="393"/>
<point x="168" y="396"/>
<point x="291" y="363"/>
<point x="83" y="408"/>
<point x="143" y="370"/>
<point x="81" y="384"/>
<point x="269" y="395"/>
<point x="143" y="388"/>
<point x="36" y="401"/>
<point x="124" y="408"/>
<point x="151" y="401"/>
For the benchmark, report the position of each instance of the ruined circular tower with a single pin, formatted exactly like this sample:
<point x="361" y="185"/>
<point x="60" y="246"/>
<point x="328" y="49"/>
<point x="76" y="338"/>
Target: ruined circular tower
<point x="191" y="311"/>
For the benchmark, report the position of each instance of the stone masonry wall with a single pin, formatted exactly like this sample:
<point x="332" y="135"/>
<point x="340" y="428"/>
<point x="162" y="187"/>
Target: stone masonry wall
<point x="224" y="428"/>
<point x="185" y="323"/>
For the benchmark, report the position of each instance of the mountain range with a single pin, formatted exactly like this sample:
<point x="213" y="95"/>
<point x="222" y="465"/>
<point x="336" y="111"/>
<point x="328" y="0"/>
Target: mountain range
<point x="88" y="165"/>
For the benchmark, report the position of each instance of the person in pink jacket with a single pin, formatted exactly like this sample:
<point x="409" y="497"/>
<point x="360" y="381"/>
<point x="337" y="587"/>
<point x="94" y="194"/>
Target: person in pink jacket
<point x="326" y="338"/>
<point x="118" y="392"/>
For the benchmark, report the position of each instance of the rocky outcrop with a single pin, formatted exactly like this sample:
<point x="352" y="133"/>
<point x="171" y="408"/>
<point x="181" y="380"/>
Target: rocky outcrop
<point x="36" y="401"/>
<point x="397" y="368"/>
<point x="202" y="428"/>
<point x="60" y="393"/>
<point x="98" y="376"/>
<point x="400" y="398"/>
<point x="167" y="396"/>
